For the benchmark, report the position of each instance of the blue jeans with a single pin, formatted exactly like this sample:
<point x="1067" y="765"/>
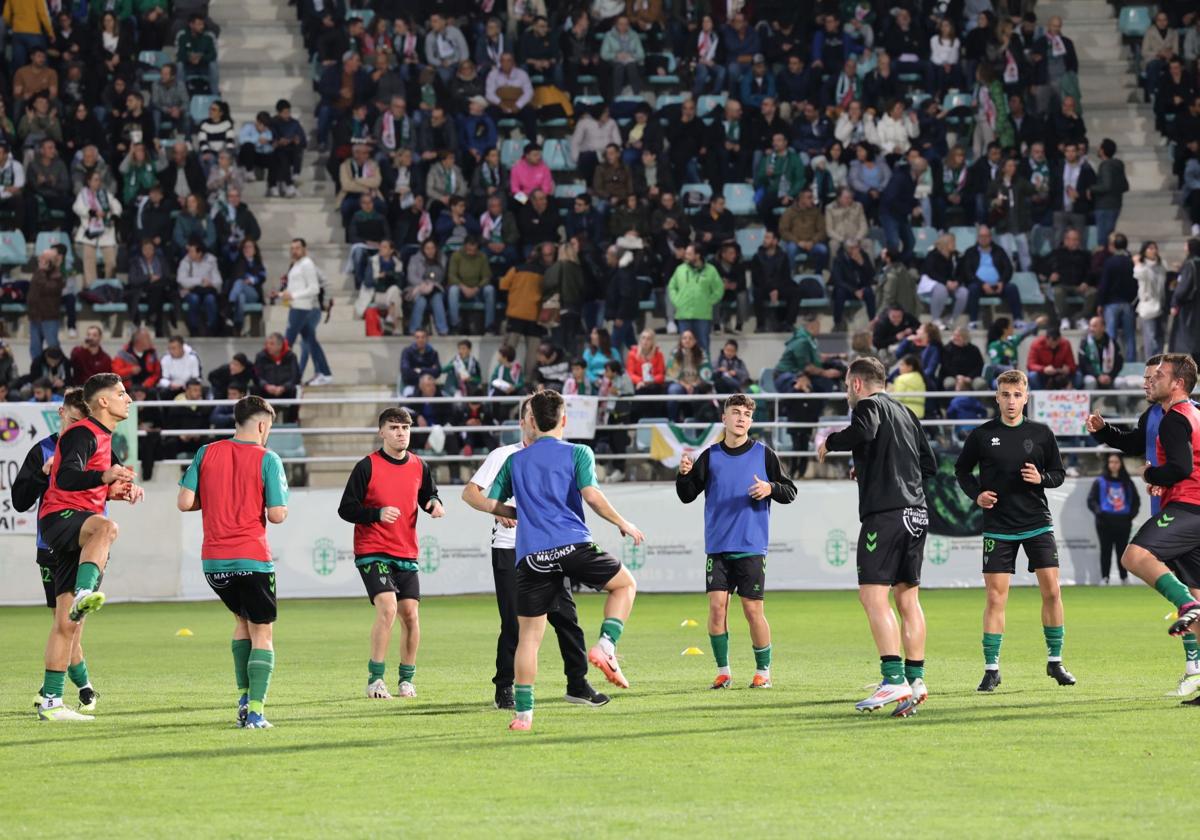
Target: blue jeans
<point x="303" y="323"/>
<point x="814" y="259"/>
<point x="184" y="70"/>
<point x="1010" y="295"/>
<point x="593" y="314"/>
<point x="488" y="295"/>
<point x="1037" y="381"/>
<point x="241" y="293"/>
<point x="624" y="336"/>
<point x="709" y="79"/>
<point x="1118" y="317"/>
<point x="23" y="44"/>
<point x="434" y="300"/>
<point x="898" y="233"/>
<point x="1106" y="223"/>
<point x="201" y="301"/>
<point x="700" y="327"/>
<point x="42" y="331"/>
<point x="362" y="264"/>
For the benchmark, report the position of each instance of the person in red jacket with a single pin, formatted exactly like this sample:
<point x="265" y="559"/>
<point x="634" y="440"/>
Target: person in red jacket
<point x="647" y="369"/>
<point x="89" y="358"/>
<point x="1052" y="363"/>
<point x="137" y="362"/>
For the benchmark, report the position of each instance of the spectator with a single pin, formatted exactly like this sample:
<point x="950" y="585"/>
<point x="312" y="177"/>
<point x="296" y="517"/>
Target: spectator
<point x="276" y="368"/>
<point x="1185" y="303"/>
<point x="597" y="354"/>
<point x="1004" y="345"/>
<point x="47" y="181"/>
<point x="1009" y="200"/>
<point x="962" y="364"/>
<point x="197" y="53"/>
<point x="235" y="223"/>
<point x="12" y="187"/>
<point x="341" y="88"/>
<point x="553" y="367"/>
<point x="1160" y="44"/>
<point x="688" y="372"/>
<point x="149" y="280"/>
<point x="941" y="281"/>
<point x="200" y="286"/>
<point x="194" y="223"/>
<point x="237" y="373"/>
<point x="778" y="179"/>
<point x="896" y="130"/>
<point x="852" y="278"/>
<point x="304" y="293"/>
<point x="1110" y="186"/>
<point x="898" y="206"/>
<point x="730" y="375"/>
<point x="222" y="415"/>
<point x="463" y="372"/>
<point x="506" y="377"/>
<point x="927" y="346"/>
<point x="246" y="280"/>
<point x="985" y="269"/>
<point x="893" y="328"/>
<point x="44" y="301"/>
<point x="564" y="282"/>
<point x="845" y="220"/>
<point x="729" y="153"/>
<point x="139" y="174"/>
<point x="1100" y="359"/>
<point x="1051" y="363"/>
<point x="89" y="358"/>
<point x="647" y="368"/>
<point x="180" y="366"/>
<point x="1053" y="56"/>
<point x="181" y="174"/>
<point x="735" y="301"/>
<point x="804" y="369"/>
<point x="629" y="219"/>
<point x="531" y="173"/>
<point x="945" y="51"/>
<point x="612" y="181"/>
<point x="1115" y="503"/>
<point x="1151" y="276"/>
<point x="1190" y="194"/>
<point x="812" y="133"/>
<point x="524" y="286"/>
<point x="499" y="233"/>
<point x="910" y="380"/>
<point x="215" y="135"/>
<point x="509" y="94"/>
<point x="622" y="50"/>
<point x="709" y="58"/>
<point x="771" y="279"/>
<point x="169" y="101"/>
<point x="715" y="226"/>
<point x="137" y="362"/>
<point x="8" y="368"/>
<point x="358" y="175"/>
<point x="537" y="221"/>
<point x="445" y="47"/>
<point x="469" y="278"/>
<point x="897" y="283"/>
<point x="868" y="178"/>
<point x="418" y="359"/>
<point x="1069" y="267"/>
<point x="757" y="85"/>
<point x="694" y="289"/>
<point x="1117" y="293"/>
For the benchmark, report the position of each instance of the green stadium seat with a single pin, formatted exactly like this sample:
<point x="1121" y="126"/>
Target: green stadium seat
<point x="1027" y="284"/>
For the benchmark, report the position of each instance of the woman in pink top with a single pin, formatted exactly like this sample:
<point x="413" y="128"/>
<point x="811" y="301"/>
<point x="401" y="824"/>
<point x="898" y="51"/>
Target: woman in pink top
<point x="531" y="173"/>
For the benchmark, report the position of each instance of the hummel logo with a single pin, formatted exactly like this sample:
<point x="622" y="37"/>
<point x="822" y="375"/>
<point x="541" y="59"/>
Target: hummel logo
<point x="1164" y="520"/>
<point x="995" y="441"/>
<point x="872" y="541"/>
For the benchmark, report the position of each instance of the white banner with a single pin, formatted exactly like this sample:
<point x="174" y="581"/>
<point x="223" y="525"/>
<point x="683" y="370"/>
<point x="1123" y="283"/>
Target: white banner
<point x="21" y="426"/>
<point x="581" y="417"/>
<point x="1065" y="412"/>
<point x="813" y="543"/>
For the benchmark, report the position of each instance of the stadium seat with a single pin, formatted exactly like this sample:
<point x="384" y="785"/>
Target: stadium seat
<point x="704" y="191"/>
<point x="587" y="101"/>
<point x="708" y="103"/>
<point x="285" y="443"/>
<point x="1093" y="238"/>
<point x="12" y="248"/>
<point x="964" y="238"/>
<point x="923" y="240"/>
<point x="641" y="439"/>
<point x="510" y="152"/>
<point x="1134" y="21"/>
<point x="671" y="77"/>
<point x="152" y="62"/>
<point x="739" y="199"/>
<point x="749" y="239"/>
<point x="49" y="238"/>
<point x="510" y="432"/>
<point x="667" y="105"/>
<point x="365" y="15"/>
<point x="198" y="108"/>
<point x="557" y="154"/>
<point x="568" y="191"/>
<point x="1027" y="284"/>
<point x="1041" y="241"/>
<point x="766" y="380"/>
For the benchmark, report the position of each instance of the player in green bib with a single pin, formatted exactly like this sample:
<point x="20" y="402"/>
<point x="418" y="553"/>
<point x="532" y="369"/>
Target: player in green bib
<point x="238" y="485"/>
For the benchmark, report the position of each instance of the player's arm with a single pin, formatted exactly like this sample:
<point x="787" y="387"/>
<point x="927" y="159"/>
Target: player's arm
<point x="692" y="478"/>
<point x="1175" y="434"/>
<point x="929" y="465"/>
<point x="585" y="480"/>
<point x="427" y="493"/>
<point x="352" y="508"/>
<point x="1053" y="473"/>
<point x="501" y="490"/>
<point x="75" y="448"/>
<point x="964" y="467"/>
<point x="1131" y="443"/>
<point x="188" y="498"/>
<point x="275" y="488"/>
<point x="864" y="424"/>
<point x="783" y="489"/>
<point x="31" y="481"/>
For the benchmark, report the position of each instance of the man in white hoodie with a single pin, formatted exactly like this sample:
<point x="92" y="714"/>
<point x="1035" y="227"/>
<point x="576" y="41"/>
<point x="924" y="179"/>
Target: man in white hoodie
<point x="179" y="365"/>
<point x="303" y="295"/>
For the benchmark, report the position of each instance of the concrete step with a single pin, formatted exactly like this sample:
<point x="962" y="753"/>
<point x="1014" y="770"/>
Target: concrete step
<point x="232" y="13"/>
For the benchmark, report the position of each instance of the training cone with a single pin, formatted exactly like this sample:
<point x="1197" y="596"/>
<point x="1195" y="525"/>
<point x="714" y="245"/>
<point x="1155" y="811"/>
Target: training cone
<point x="184" y="632"/>
<point x="692" y="651"/>
<point x="689" y="622"/>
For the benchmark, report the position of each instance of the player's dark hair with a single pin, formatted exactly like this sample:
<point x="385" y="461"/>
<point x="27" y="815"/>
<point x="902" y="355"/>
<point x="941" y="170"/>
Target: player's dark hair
<point x="395" y="415"/>
<point x="546" y="408"/>
<point x="869" y="369"/>
<point x="1154" y="360"/>
<point x="1183" y="367"/>
<point x="1013" y="377"/>
<point x="249" y="407"/>
<point x="73" y="401"/>
<point x="99" y="382"/>
<point x="742" y="400"/>
<point x="506" y="353"/>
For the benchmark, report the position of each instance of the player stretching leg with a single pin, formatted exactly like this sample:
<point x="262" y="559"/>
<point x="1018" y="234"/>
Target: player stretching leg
<point x="71" y="520"/>
<point x="550" y="480"/>
<point x="1141" y="442"/>
<point x="892" y="458"/>
<point x="563" y="617"/>
<point x="238" y="486"/>
<point x="57" y="580"/>
<point x="1174" y="536"/>
<point x="381" y="498"/>
<point x="737" y="516"/>
<point x="1017" y="459"/>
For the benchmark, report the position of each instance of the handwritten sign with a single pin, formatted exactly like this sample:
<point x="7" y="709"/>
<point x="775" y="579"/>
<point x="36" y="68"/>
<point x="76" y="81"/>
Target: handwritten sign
<point x="1065" y="412"/>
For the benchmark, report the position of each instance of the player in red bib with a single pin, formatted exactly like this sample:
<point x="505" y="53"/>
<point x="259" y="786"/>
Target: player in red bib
<point x="83" y="478"/>
<point x="239" y="486"/>
<point x="382" y="497"/>
<point x="1174" y="536"/>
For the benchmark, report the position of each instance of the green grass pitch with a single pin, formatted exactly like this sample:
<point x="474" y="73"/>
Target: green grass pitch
<point x="1110" y="757"/>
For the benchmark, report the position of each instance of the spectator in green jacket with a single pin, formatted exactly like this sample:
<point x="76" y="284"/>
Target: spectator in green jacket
<point x="694" y="289"/>
<point x="470" y="279"/>
<point x="778" y="178"/>
<point x="197" y="53"/>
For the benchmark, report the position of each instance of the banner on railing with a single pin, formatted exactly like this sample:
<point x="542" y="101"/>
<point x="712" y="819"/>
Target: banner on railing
<point x="1065" y="412"/>
<point x="581" y="417"/>
<point x="669" y="443"/>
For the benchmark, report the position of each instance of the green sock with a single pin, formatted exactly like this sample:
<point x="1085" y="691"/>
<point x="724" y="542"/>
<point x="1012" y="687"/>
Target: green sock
<point x="524" y="698"/>
<point x="87" y="576"/>
<point x="1168" y="586"/>
<point x="406" y="672"/>
<point x="612" y="628"/>
<point x="892" y="669"/>
<point x="260" y="666"/>
<point x="78" y="674"/>
<point x="1054" y="641"/>
<point x="241" y="656"/>
<point x="762" y="658"/>
<point x="1191" y="649"/>
<point x="991" y="648"/>
<point x="53" y="684"/>
<point x="375" y="670"/>
<point x="914" y="669"/>
<point x="720" y="649"/>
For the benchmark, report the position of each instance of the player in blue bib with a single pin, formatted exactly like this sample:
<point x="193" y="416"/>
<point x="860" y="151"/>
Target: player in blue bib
<point x="739" y="478"/>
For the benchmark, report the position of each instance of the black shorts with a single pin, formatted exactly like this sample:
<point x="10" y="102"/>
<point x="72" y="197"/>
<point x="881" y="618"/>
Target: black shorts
<point x="61" y="530"/>
<point x="1174" y="538"/>
<point x="381" y="576"/>
<point x="45" y="562"/>
<point x="249" y="595"/>
<point x="1000" y="556"/>
<point x="541" y="576"/>
<point x="891" y="547"/>
<point x="745" y="575"/>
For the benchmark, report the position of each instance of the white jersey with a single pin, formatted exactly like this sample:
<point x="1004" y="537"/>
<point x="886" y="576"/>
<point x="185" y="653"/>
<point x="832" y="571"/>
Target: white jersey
<point x="502" y="537"/>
